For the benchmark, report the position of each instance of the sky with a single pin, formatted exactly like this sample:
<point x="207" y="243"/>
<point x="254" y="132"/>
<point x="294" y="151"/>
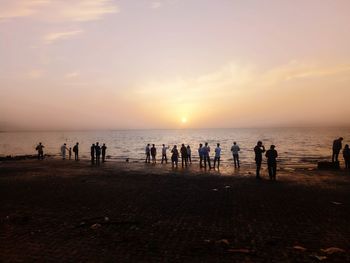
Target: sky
<point x="143" y="64"/>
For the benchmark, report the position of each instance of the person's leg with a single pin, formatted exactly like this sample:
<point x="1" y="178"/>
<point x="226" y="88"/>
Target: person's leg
<point x="209" y="162"/>
<point x="238" y="160"/>
<point x="274" y="171"/>
<point x="200" y="161"/>
<point x="214" y="162"/>
<point x="336" y="156"/>
<point x="234" y="160"/>
<point x="258" y="166"/>
<point x="270" y="170"/>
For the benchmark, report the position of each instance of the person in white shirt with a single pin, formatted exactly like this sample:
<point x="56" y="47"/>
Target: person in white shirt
<point x="164" y="149"/>
<point x="235" y="149"/>
<point x="63" y="151"/>
<point x="189" y="154"/>
<point x="217" y="155"/>
<point x="148" y="153"/>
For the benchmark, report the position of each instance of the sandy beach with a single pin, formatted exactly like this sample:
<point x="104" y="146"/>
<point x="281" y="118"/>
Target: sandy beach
<point x="66" y="211"/>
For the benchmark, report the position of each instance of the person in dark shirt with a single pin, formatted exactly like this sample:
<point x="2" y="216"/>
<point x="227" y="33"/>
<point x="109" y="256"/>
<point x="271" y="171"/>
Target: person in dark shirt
<point x="76" y="151"/>
<point x="40" y="149"/>
<point x="98" y="153"/>
<point x="259" y="149"/>
<point x="104" y="148"/>
<point x="337" y="145"/>
<point x="183" y="151"/>
<point x="153" y="153"/>
<point x="200" y="153"/>
<point x="272" y="162"/>
<point x="174" y="156"/>
<point x="92" y="151"/>
<point x="346" y="156"/>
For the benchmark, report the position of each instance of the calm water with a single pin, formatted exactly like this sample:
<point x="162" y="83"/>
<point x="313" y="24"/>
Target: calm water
<point x="296" y="147"/>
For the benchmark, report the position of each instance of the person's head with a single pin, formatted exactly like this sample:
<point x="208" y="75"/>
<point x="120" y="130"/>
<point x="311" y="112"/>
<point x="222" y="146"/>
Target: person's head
<point x="200" y="145"/>
<point x="64" y="144"/>
<point x="259" y="143"/>
<point x="39" y="143"/>
<point x="77" y="143"/>
<point x="175" y="146"/>
<point x="341" y="138"/>
<point x="153" y="145"/>
<point x="70" y="148"/>
<point x="272" y="147"/>
<point x="148" y="144"/>
<point x="346" y="146"/>
<point x="188" y="146"/>
<point x="183" y="145"/>
<point x="218" y="144"/>
<point x="234" y="143"/>
<point x="97" y="144"/>
<point x="163" y="145"/>
<point x="206" y="144"/>
<point x="104" y="144"/>
<point x="93" y="144"/>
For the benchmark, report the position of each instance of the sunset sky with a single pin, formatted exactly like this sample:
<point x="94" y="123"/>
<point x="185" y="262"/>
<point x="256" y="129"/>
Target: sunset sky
<point x="105" y="64"/>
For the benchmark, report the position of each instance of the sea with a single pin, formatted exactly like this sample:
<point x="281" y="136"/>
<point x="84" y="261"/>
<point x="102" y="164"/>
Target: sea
<point x="297" y="147"/>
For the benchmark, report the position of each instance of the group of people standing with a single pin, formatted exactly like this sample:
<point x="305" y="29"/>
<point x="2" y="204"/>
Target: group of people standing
<point x="204" y="156"/>
<point x="95" y="151"/>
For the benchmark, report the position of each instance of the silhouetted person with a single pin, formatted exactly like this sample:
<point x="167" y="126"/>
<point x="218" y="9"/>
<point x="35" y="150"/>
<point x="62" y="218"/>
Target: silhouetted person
<point x="76" y="151"/>
<point x="217" y="155"/>
<point x="70" y="153"/>
<point x="153" y="153"/>
<point x="103" y="149"/>
<point x="206" y="155"/>
<point x="235" y="149"/>
<point x="40" y="149"/>
<point x="98" y="153"/>
<point x="148" y="153"/>
<point x="272" y="162"/>
<point x="183" y="151"/>
<point x="189" y="152"/>
<point x="200" y="153"/>
<point x="63" y="151"/>
<point x="92" y="152"/>
<point x="337" y="145"/>
<point x="164" y="157"/>
<point x="174" y="156"/>
<point x="259" y="149"/>
<point x="346" y="156"/>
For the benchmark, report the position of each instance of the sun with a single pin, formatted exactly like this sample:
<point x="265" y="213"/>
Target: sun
<point x="184" y="120"/>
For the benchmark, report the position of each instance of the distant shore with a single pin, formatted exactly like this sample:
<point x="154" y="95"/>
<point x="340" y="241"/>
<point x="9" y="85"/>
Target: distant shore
<point x="67" y="211"/>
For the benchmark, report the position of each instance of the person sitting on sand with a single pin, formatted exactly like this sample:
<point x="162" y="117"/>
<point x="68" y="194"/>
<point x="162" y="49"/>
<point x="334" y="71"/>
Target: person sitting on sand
<point x="217" y="155"/>
<point x="259" y="149"/>
<point x="189" y="160"/>
<point x="164" y="149"/>
<point x="148" y="154"/>
<point x="200" y="153"/>
<point x="153" y="153"/>
<point x="104" y="148"/>
<point x="183" y="151"/>
<point x="76" y="151"/>
<point x="346" y="156"/>
<point x="337" y="145"/>
<point x="235" y="149"/>
<point x="98" y="153"/>
<point x="174" y="156"/>
<point x="92" y="151"/>
<point x="40" y="149"/>
<point x="63" y="151"/>
<point x="272" y="162"/>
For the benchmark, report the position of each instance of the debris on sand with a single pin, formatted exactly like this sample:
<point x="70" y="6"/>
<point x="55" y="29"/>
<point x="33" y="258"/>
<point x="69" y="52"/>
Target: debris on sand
<point x="95" y="226"/>
<point x="332" y="250"/>
<point x="239" y="250"/>
<point x="299" y="248"/>
<point x="215" y="189"/>
<point x="318" y="257"/>
<point x="336" y="203"/>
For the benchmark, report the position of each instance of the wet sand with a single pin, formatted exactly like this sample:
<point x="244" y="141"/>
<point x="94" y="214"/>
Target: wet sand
<point x="66" y="211"/>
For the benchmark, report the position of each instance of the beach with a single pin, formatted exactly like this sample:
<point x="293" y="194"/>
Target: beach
<point x="67" y="211"/>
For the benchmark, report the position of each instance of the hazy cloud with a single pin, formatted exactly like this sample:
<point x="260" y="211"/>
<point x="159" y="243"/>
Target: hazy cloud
<point x="52" y="37"/>
<point x="35" y="73"/>
<point x="156" y="4"/>
<point x="71" y="75"/>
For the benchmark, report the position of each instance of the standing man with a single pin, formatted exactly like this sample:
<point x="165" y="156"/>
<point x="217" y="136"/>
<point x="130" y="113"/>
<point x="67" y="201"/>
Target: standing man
<point x="92" y="150"/>
<point x="206" y="155"/>
<point x="235" y="149"/>
<point x="153" y="153"/>
<point x="272" y="162"/>
<point x="98" y="153"/>
<point x="217" y="155"/>
<point x="76" y="151"/>
<point x="183" y="151"/>
<point x="259" y="149"/>
<point x="103" y="148"/>
<point x="200" y="153"/>
<point x="346" y="156"/>
<point x="63" y="151"/>
<point x="40" y="149"/>
<point x="189" y="154"/>
<point x="337" y="145"/>
<point x="148" y="154"/>
<point x="164" y="149"/>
